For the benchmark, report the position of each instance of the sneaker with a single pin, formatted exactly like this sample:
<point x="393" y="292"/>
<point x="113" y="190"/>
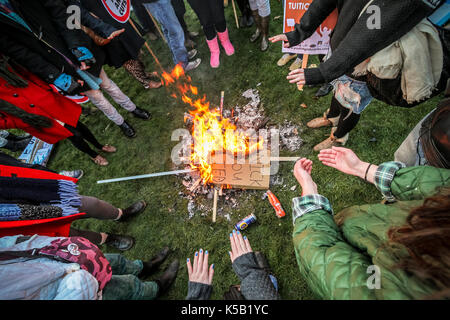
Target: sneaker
<point x="193" y="64"/>
<point x="77" y="174"/>
<point x="285" y="59"/>
<point x="192" y="54"/>
<point x="297" y="64"/>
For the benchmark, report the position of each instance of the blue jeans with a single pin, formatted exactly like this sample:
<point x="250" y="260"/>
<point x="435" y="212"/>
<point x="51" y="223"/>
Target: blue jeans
<point x="164" y="13"/>
<point x="352" y="94"/>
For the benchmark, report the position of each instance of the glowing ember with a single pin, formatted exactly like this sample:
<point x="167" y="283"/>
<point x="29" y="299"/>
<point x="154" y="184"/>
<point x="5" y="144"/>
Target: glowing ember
<point x="212" y="134"/>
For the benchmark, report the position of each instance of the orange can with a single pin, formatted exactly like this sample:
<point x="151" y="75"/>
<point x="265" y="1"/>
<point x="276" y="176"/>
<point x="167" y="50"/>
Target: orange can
<point x="276" y="204"/>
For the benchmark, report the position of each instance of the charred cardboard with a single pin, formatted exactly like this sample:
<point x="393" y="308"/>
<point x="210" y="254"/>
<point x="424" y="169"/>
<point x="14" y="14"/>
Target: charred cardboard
<point x="243" y="175"/>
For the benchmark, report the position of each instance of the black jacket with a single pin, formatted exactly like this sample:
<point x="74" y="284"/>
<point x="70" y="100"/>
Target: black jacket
<point x="124" y="48"/>
<point x="45" y="51"/>
<point x="352" y="41"/>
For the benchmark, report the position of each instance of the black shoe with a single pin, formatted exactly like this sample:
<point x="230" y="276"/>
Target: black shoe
<point x="324" y="90"/>
<point x="13" y="137"/>
<point x="166" y="280"/>
<point x="119" y="242"/>
<point x="133" y="210"/>
<point x="128" y="130"/>
<point x="142" y="114"/>
<point x="153" y="264"/>
<point x="15" y="146"/>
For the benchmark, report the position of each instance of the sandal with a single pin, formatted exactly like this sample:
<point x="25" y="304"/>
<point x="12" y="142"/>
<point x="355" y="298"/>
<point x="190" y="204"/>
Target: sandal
<point x="99" y="160"/>
<point x="153" y="85"/>
<point x="109" y="149"/>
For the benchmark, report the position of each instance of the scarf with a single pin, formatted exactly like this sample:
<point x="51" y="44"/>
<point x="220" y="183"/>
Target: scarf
<point x="59" y="193"/>
<point x="14" y="212"/>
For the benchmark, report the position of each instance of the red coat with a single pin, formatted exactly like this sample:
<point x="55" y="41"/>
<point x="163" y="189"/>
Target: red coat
<point x="39" y="98"/>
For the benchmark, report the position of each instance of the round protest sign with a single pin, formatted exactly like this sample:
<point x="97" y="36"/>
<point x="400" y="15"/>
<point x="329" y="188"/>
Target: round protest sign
<point x="118" y="9"/>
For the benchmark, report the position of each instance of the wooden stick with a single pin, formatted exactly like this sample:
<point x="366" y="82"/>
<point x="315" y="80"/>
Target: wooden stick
<point x="235" y="14"/>
<point x="304" y="66"/>
<point x="156" y="25"/>
<point x="284" y="159"/>
<point x="195" y="185"/>
<point x="215" y="205"/>
<point x="222" y="95"/>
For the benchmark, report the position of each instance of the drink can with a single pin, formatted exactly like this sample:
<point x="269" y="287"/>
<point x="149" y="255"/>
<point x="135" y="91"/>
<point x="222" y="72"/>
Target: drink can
<point x="244" y="223"/>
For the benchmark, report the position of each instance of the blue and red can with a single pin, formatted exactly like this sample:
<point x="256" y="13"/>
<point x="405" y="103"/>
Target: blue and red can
<point x="244" y="223"/>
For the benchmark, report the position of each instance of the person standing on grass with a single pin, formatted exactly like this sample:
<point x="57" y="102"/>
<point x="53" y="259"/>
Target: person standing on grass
<point x="73" y="268"/>
<point x="388" y="251"/>
<point x="35" y="35"/>
<point x="124" y="50"/>
<point x="252" y="268"/>
<point x="353" y="43"/>
<point x="164" y="13"/>
<point x="261" y="16"/>
<point x="211" y="14"/>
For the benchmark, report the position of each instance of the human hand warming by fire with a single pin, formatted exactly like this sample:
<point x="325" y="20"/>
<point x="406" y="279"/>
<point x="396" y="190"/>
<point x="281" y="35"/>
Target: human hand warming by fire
<point x="199" y="271"/>
<point x="297" y="76"/>
<point x="239" y="245"/>
<point x="280" y="37"/>
<point x="302" y="172"/>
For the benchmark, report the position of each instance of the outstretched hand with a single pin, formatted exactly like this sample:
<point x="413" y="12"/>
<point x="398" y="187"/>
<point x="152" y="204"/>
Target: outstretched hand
<point x="302" y="172"/>
<point x="342" y="159"/>
<point x="280" y="37"/>
<point x="297" y="76"/>
<point x="239" y="245"/>
<point x="199" y="270"/>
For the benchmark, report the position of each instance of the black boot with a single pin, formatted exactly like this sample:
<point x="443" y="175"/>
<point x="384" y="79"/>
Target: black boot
<point x="119" y="242"/>
<point x="166" y="280"/>
<point x="152" y="265"/>
<point x="265" y="32"/>
<point x="324" y="90"/>
<point x="142" y="114"/>
<point x="133" y="210"/>
<point x="128" y="130"/>
<point x="15" y="146"/>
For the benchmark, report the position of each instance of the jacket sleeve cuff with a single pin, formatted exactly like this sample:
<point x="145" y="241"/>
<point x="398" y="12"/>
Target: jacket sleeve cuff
<point x="244" y="264"/>
<point x="384" y="176"/>
<point x="310" y="203"/>
<point x="314" y="76"/>
<point x="198" y="291"/>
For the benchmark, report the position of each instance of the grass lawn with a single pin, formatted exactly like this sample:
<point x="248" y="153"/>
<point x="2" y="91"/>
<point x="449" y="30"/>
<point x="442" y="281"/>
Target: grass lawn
<point x="165" y="222"/>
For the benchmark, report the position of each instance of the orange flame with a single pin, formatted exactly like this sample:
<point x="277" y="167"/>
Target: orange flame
<point x="212" y="134"/>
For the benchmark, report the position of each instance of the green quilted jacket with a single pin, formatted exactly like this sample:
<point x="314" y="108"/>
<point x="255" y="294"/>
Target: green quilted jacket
<point x="335" y="254"/>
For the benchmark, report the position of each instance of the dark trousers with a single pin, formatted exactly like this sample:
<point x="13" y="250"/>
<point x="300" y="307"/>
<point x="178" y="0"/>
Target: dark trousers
<point x="143" y="17"/>
<point x="180" y="11"/>
<point x="211" y="15"/>
<point x="81" y="134"/>
<point x="347" y="119"/>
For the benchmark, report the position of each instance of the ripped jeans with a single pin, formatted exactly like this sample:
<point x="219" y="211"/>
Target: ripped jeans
<point x="352" y="94"/>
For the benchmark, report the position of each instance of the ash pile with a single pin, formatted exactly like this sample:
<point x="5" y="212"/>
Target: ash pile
<point x="250" y="116"/>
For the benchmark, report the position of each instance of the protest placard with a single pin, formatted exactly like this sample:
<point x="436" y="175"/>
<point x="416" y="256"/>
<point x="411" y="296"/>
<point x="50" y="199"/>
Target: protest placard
<point x="319" y="42"/>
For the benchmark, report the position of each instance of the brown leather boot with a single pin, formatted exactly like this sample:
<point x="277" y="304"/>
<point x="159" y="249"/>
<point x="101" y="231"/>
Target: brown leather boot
<point x="323" y="121"/>
<point x="331" y="141"/>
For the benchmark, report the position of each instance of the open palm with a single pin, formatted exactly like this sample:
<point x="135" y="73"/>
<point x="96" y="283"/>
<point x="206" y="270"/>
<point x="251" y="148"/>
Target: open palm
<point x="342" y="159"/>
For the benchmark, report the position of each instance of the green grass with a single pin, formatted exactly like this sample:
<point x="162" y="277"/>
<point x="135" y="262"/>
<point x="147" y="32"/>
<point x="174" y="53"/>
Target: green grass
<point x="166" y="219"/>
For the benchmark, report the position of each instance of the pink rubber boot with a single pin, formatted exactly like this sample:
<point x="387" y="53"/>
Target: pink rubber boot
<point x="226" y="43"/>
<point x="215" y="52"/>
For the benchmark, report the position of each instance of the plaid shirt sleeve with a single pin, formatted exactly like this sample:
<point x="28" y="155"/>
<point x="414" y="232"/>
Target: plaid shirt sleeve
<point x="384" y="176"/>
<point x="309" y="203"/>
